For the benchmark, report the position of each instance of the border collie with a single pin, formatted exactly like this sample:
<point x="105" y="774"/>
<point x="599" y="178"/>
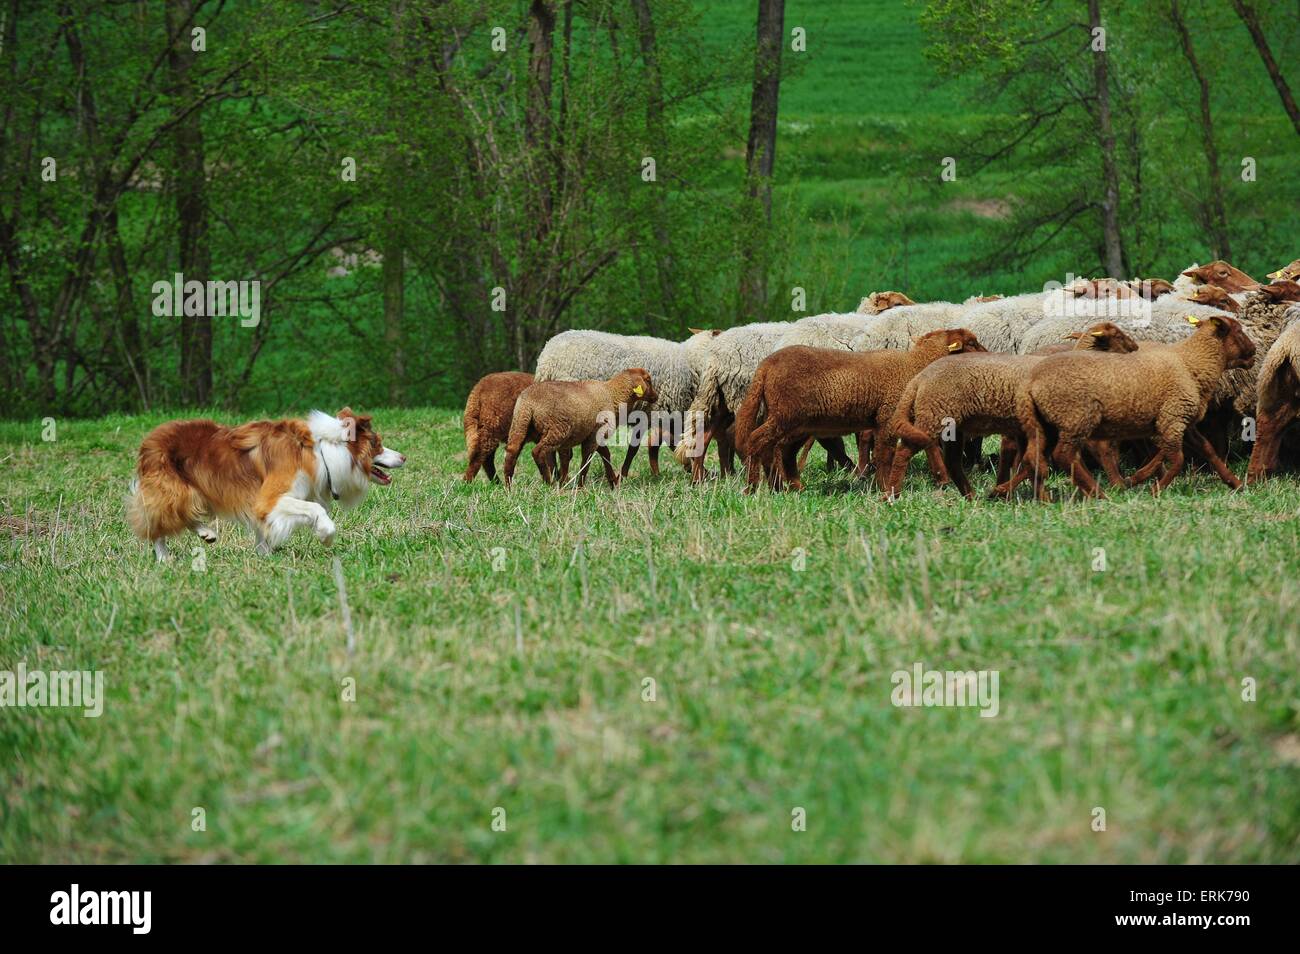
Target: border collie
<point x="273" y="476"/>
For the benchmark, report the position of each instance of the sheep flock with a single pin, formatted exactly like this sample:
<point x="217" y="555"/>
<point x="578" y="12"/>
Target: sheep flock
<point x="1095" y="373"/>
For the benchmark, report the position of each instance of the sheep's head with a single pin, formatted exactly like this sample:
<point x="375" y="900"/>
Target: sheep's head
<point x="877" y="302"/>
<point x="712" y="332"/>
<point x="1279" y="291"/>
<point x="1105" y="336"/>
<point x="951" y="340"/>
<point x="1215" y="297"/>
<point x="1100" y="288"/>
<point x="1222" y="274"/>
<point x="980" y="299"/>
<point x="1238" y="349"/>
<point x="638" y="382"/>
<point x="1151" y="288"/>
<point x="1287" y="272"/>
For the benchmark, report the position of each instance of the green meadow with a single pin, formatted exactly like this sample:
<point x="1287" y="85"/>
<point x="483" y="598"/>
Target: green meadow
<point x="504" y="639"/>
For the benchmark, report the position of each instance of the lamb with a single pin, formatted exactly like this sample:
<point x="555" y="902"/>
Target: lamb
<point x="1279" y="398"/>
<point x="675" y="366"/>
<point x="813" y="392"/>
<point x="488" y="409"/>
<point x="561" y="415"/>
<point x="1158" y="392"/>
<point x="975" y="395"/>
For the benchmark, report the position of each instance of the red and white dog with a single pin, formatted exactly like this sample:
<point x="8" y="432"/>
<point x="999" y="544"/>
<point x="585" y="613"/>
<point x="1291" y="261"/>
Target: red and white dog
<point x="274" y="476"/>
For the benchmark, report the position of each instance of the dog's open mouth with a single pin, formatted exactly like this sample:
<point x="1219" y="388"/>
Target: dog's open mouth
<point x="379" y="475"/>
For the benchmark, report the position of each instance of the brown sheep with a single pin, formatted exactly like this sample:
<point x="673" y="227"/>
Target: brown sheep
<point x="1151" y="288"/>
<point x="1158" y="392"/>
<point x="815" y="392"/>
<point x="974" y="395"/>
<point x="1220" y="273"/>
<point x="1286" y="272"/>
<point x="1278" y="387"/>
<point x="877" y="302"/>
<point x="560" y="415"/>
<point x="486" y="420"/>
<point x="1215" y="297"/>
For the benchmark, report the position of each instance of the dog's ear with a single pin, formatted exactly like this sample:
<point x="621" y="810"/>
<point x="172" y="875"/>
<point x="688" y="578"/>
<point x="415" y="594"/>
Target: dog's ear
<point x="346" y="412"/>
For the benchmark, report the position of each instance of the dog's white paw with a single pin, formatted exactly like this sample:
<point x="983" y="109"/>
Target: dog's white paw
<point x="325" y="531"/>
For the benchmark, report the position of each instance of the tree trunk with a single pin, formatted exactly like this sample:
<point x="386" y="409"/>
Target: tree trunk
<point x="1112" y="244"/>
<point x="665" y="266"/>
<point x="531" y="306"/>
<point x="191" y="206"/>
<point x="1216" y="217"/>
<point x="394" y="282"/>
<point x="760" y="150"/>
<point x="1250" y="17"/>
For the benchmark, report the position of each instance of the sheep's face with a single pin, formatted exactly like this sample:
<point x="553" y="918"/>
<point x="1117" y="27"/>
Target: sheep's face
<point x="1101" y="288"/>
<point x="1106" y="336"/>
<point x="1238" y="349"/>
<point x="643" y="390"/>
<point x="1287" y="272"/>
<point x="1282" y="291"/>
<point x="1215" y="297"/>
<point x="1222" y="274"/>
<point x="1152" y="288"/>
<point x="959" y="340"/>
<point x="877" y="302"/>
<point x="980" y="299"/>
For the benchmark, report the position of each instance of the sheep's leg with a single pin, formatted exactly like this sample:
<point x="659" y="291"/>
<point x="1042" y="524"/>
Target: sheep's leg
<point x="1171" y="447"/>
<point x="700" y="448"/>
<point x="1202" y="443"/>
<point x="588" y="448"/>
<point x="542" y="457"/>
<point x="1067" y="458"/>
<point x="1145" y="472"/>
<point x="474" y="463"/>
<point x="512" y="455"/>
<point x="1268" y="438"/>
<point x="632" y="448"/>
<point x="726" y="454"/>
<point x="803" y="454"/>
<point x="610" y="475"/>
<point x="1107" y="455"/>
<point x="1009" y="454"/>
<point x="489" y="458"/>
<point x="955" y="459"/>
<point x="882" y="454"/>
<point x="866" y="439"/>
<point x="837" y="458"/>
<point x="757" y="457"/>
<point x="652" y="452"/>
<point x="789" y="463"/>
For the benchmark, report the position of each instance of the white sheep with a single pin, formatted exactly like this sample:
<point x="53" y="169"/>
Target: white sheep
<point x="896" y="328"/>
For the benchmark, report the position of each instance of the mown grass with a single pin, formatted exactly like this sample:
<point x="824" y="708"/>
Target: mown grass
<point x="521" y="688"/>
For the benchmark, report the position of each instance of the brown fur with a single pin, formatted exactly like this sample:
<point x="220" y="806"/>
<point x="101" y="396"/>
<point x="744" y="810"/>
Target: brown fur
<point x="977" y="393"/>
<point x="1151" y="288"/>
<point x="1220" y="273"/>
<point x="1287" y="272"/>
<point x="559" y="415"/>
<point x="1159" y="392"/>
<point x="877" y="302"/>
<point x="488" y="410"/>
<point x="814" y="392"/>
<point x="1215" y="297"/>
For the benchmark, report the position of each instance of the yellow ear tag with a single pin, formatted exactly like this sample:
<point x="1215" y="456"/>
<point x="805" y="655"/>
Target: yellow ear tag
<point x="638" y="390"/>
<point x="954" y="346"/>
<point x="1193" y="320"/>
<point x="1095" y="334"/>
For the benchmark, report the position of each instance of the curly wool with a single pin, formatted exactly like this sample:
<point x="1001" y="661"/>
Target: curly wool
<point x="896" y="328"/>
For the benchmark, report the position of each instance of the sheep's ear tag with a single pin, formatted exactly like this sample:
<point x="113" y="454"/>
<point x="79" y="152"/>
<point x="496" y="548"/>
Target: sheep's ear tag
<point x="954" y="346"/>
<point x="1096" y="334"/>
<point x="638" y="390"/>
<point x="1193" y="320"/>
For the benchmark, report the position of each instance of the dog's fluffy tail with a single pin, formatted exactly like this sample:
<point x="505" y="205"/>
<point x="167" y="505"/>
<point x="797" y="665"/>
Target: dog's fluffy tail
<point x="162" y="502"/>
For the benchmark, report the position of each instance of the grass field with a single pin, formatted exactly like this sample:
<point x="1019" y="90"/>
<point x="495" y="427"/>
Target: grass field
<point x="520" y="686"/>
